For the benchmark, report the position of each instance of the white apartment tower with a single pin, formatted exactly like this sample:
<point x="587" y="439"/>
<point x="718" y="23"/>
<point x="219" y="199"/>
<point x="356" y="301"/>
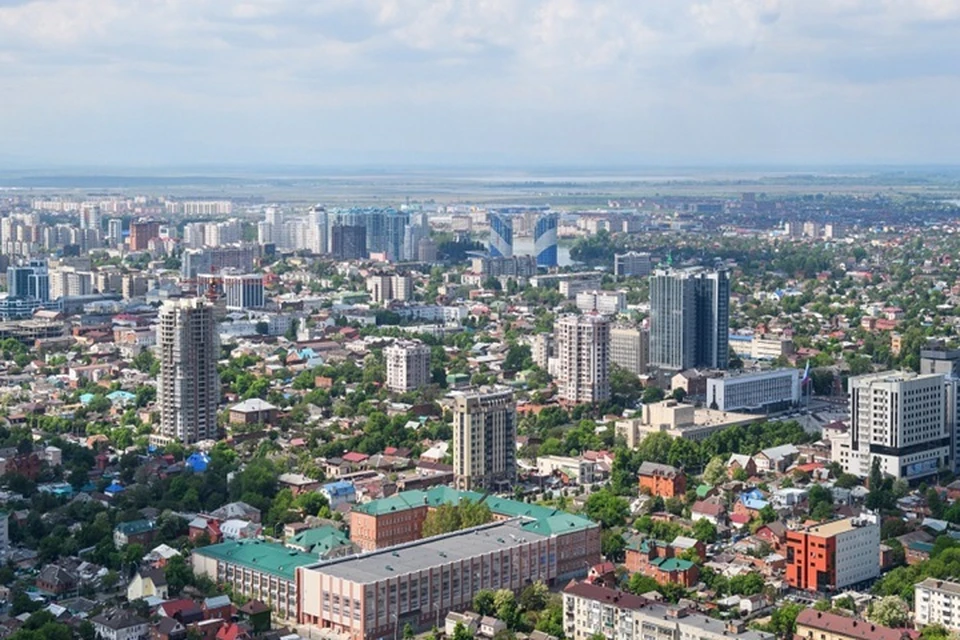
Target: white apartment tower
<point x="408" y="365"/>
<point x="583" y="354"/>
<point x="485" y="439"/>
<point x="188" y="389"/>
<point x="630" y="348"/>
<point x="901" y="419"/>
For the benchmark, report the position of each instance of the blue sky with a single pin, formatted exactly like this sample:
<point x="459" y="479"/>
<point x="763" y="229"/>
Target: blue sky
<point x="636" y="82"/>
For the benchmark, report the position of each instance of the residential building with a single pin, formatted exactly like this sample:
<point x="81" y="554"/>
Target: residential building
<point x="632" y="263"/>
<point x="4" y="534"/>
<point x="148" y="583"/>
<point x="943" y="361"/>
<point x="901" y="419"/>
<point x="134" y="532"/>
<point x="29" y="280"/>
<point x="545" y="240"/>
<point x="606" y="302"/>
<point x="833" y="555"/>
<point x="484" y="439"/>
<point x="408" y="365"/>
<point x="590" y="609"/>
<point x="243" y="291"/>
<point x="630" y="348"/>
<point x="937" y="601"/>
<point x="689" y="319"/>
<point x="541" y="349"/>
<point x="661" y="480"/>
<point x="119" y="624"/>
<point x="823" y="625"/>
<point x="253" y="411"/>
<point x="501" y="236"/>
<point x="763" y="392"/>
<point x="380" y="287"/>
<point x="349" y="242"/>
<point x="427" y="251"/>
<point x="583" y="354"/>
<point x="402" y="287"/>
<point x="188" y="389"/>
<point x="265" y="571"/>
<point x="242" y="257"/>
<point x="142" y="232"/>
<point x="570" y="287"/>
<point x="374" y="594"/>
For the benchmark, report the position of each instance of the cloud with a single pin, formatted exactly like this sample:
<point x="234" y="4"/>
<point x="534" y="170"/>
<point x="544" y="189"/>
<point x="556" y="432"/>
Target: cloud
<point x="531" y="80"/>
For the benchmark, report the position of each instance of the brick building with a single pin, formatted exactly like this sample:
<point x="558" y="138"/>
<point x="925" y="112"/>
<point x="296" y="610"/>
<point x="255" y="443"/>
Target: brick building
<point x="661" y="480"/>
<point x="833" y="555"/>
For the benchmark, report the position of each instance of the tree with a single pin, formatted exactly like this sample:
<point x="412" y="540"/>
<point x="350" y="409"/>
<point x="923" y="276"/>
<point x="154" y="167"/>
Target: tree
<point x="640" y="584"/>
<point x="746" y="584"/>
<point x="889" y="611"/>
<point x="715" y="471"/>
<point x="822" y="605"/>
<point x="679" y="394"/>
<point x="612" y="545"/>
<point x="606" y="508"/>
<point x="534" y="597"/>
<point x="178" y="574"/>
<point x="460" y="632"/>
<point x="448" y="517"/>
<point x="651" y="395"/>
<point x="518" y="358"/>
<point x="783" y="621"/>
<point x="705" y="531"/>
<point x="408" y="633"/>
<point x="483" y="602"/>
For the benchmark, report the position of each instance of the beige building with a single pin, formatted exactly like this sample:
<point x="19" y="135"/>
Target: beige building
<point x="678" y="420"/>
<point x="630" y="348"/>
<point x="485" y="439"/>
<point x="402" y="287"/>
<point x="583" y="358"/>
<point x="380" y="287"/>
<point x="408" y="365"/>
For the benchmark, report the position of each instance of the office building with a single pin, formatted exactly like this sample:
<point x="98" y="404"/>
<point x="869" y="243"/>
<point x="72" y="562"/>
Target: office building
<point x="689" y="319"/>
<point x="630" y="348"/>
<point x="29" y="280"/>
<point x="937" y="601"/>
<point x="501" y="236"/>
<point x="606" y="302"/>
<point x="590" y="610"/>
<point x="188" y="389"/>
<point x="142" y="232"/>
<point x="583" y="354"/>
<point x="834" y="555"/>
<point x="545" y="240"/>
<point x="764" y="391"/>
<point x="632" y="263"/>
<point x="264" y="571"/>
<point x="902" y="420"/>
<point x="377" y="594"/>
<point x="943" y="361"/>
<point x="485" y="439"/>
<point x="243" y="291"/>
<point x="408" y="365"/>
<point x="348" y="242"/>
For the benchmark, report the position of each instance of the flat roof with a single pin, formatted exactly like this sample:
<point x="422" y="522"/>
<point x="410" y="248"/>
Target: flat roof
<point x="829" y="529"/>
<point x="268" y="557"/>
<point x="422" y="555"/>
<point x="944" y="586"/>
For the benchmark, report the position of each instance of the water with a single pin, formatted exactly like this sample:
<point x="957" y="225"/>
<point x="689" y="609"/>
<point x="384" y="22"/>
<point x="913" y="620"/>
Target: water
<point x="524" y="247"/>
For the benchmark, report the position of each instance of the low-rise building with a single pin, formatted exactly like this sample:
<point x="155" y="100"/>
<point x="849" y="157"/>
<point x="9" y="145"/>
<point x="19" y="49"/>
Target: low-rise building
<point x="118" y="624"/>
<point x="661" y="480"/>
<point x="822" y="625"/>
<point x="148" y="583"/>
<point x="937" y="602"/>
<point x="253" y="411"/>
<point x="763" y="391"/>
<point x="134" y="532"/>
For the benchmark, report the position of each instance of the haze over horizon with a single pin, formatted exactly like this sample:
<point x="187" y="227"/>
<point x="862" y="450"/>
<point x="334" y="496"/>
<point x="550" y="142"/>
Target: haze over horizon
<point x="420" y="82"/>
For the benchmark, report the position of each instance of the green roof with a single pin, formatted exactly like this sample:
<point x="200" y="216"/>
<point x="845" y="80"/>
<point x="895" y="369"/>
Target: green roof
<point x="134" y="527"/>
<point x="548" y="519"/>
<point x="703" y="490"/>
<point x="268" y="557"/>
<point x="671" y="564"/>
<point x="643" y="545"/>
<point x="321" y="540"/>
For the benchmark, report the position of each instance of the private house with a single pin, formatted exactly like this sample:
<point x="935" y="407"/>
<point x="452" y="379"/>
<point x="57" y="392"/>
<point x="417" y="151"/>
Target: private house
<point x="661" y="480"/>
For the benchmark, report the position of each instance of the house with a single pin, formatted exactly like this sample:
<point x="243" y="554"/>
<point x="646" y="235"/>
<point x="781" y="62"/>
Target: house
<point x="56" y="580"/>
<point x="160" y="555"/>
<point x="217" y="607"/>
<point x="340" y="492"/>
<point x="603" y="574"/>
<point x="355" y="459"/>
<point x="661" y="480"/>
<point x="711" y="509"/>
<point x="298" y="483"/>
<point x="773" y="533"/>
<point x="253" y="411"/>
<point x="750" y="503"/>
<point x="490" y="626"/>
<point x="117" y="624"/>
<point x="740" y="461"/>
<point x="239" y="529"/>
<point x="168" y="629"/>
<point x="233" y="631"/>
<point x="148" y="583"/>
<point x="238" y="510"/>
<point x="469" y="620"/>
<point x="682" y="544"/>
<point x="134" y="532"/>
<point x="776" y="459"/>
<point x="256" y="615"/>
<point x="204" y="525"/>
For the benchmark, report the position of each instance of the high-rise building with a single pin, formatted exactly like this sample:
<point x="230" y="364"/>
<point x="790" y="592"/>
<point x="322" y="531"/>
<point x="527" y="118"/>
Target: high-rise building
<point x="427" y="251"/>
<point x="215" y="259"/>
<point x="142" y="232"/>
<point x="689" y="319"/>
<point x="402" y="287"/>
<point x="942" y="361"/>
<point x="501" y="236"/>
<point x="834" y="555"/>
<point x="583" y="354"/>
<point x="380" y="286"/>
<point x="900" y="419"/>
<point x="30" y="280"/>
<point x="348" y="242"/>
<point x="188" y="389"/>
<point x="485" y="439"/>
<point x="408" y="365"/>
<point x="243" y="291"/>
<point x="541" y="349"/>
<point x="319" y="225"/>
<point x="545" y="240"/>
<point x="115" y="232"/>
<point x="384" y="228"/>
<point x="630" y="348"/>
<point x="606" y="302"/>
<point x="632" y="263"/>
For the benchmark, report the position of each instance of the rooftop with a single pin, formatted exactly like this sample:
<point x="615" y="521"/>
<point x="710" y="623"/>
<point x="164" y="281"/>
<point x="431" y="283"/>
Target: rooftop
<point x="943" y="586"/>
<point x="829" y="529"/>
<point x="421" y="555"/>
<point x="844" y="626"/>
<point x="268" y="557"/>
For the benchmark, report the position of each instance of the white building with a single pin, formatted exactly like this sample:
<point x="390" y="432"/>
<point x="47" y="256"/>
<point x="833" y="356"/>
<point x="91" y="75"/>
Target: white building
<point x="583" y="354"/>
<point x="630" y="348"/>
<point x="408" y="365"/>
<point x="937" y="602"/>
<point x="118" y="624"/>
<point x="632" y="263"/>
<point x="754" y="391"/>
<point x="606" y="302"/>
<point x="402" y="287"/>
<point x="243" y="291"/>
<point x="900" y="419"/>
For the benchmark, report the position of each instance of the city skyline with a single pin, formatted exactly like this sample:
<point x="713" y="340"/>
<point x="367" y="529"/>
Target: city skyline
<point x="777" y="81"/>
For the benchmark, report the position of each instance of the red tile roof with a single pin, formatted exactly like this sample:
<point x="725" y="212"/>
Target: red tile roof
<point x="844" y="626"/>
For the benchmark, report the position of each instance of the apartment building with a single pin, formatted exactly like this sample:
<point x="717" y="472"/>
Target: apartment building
<point x="937" y="602"/>
<point x="689" y="319"/>
<point x="834" y="555"/>
<point x="485" y="439"/>
<point x="408" y="365"/>
<point x="821" y="625"/>
<point x="630" y="348"/>
<point x="632" y="263"/>
<point x="583" y="353"/>
<point x="590" y="609"/>
<point x="608" y="303"/>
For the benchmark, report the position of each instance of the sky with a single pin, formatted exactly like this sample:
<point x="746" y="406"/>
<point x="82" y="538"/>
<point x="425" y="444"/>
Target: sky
<point x="498" y="82"/>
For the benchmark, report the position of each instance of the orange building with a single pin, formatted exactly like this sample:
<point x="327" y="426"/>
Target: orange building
<point x="833" y="555"/>
<point x="142" y="232"/>
<point x="661" y="480"/>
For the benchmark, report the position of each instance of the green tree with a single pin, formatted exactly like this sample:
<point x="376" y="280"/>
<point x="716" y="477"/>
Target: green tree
<point x="889" y="611"/>
<point x="483" y="602"/>
<point x="606" y="508"/>
<point x="651" y="395"/>
<point x="705" y="531"/>
<point x="716" y="471"/>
